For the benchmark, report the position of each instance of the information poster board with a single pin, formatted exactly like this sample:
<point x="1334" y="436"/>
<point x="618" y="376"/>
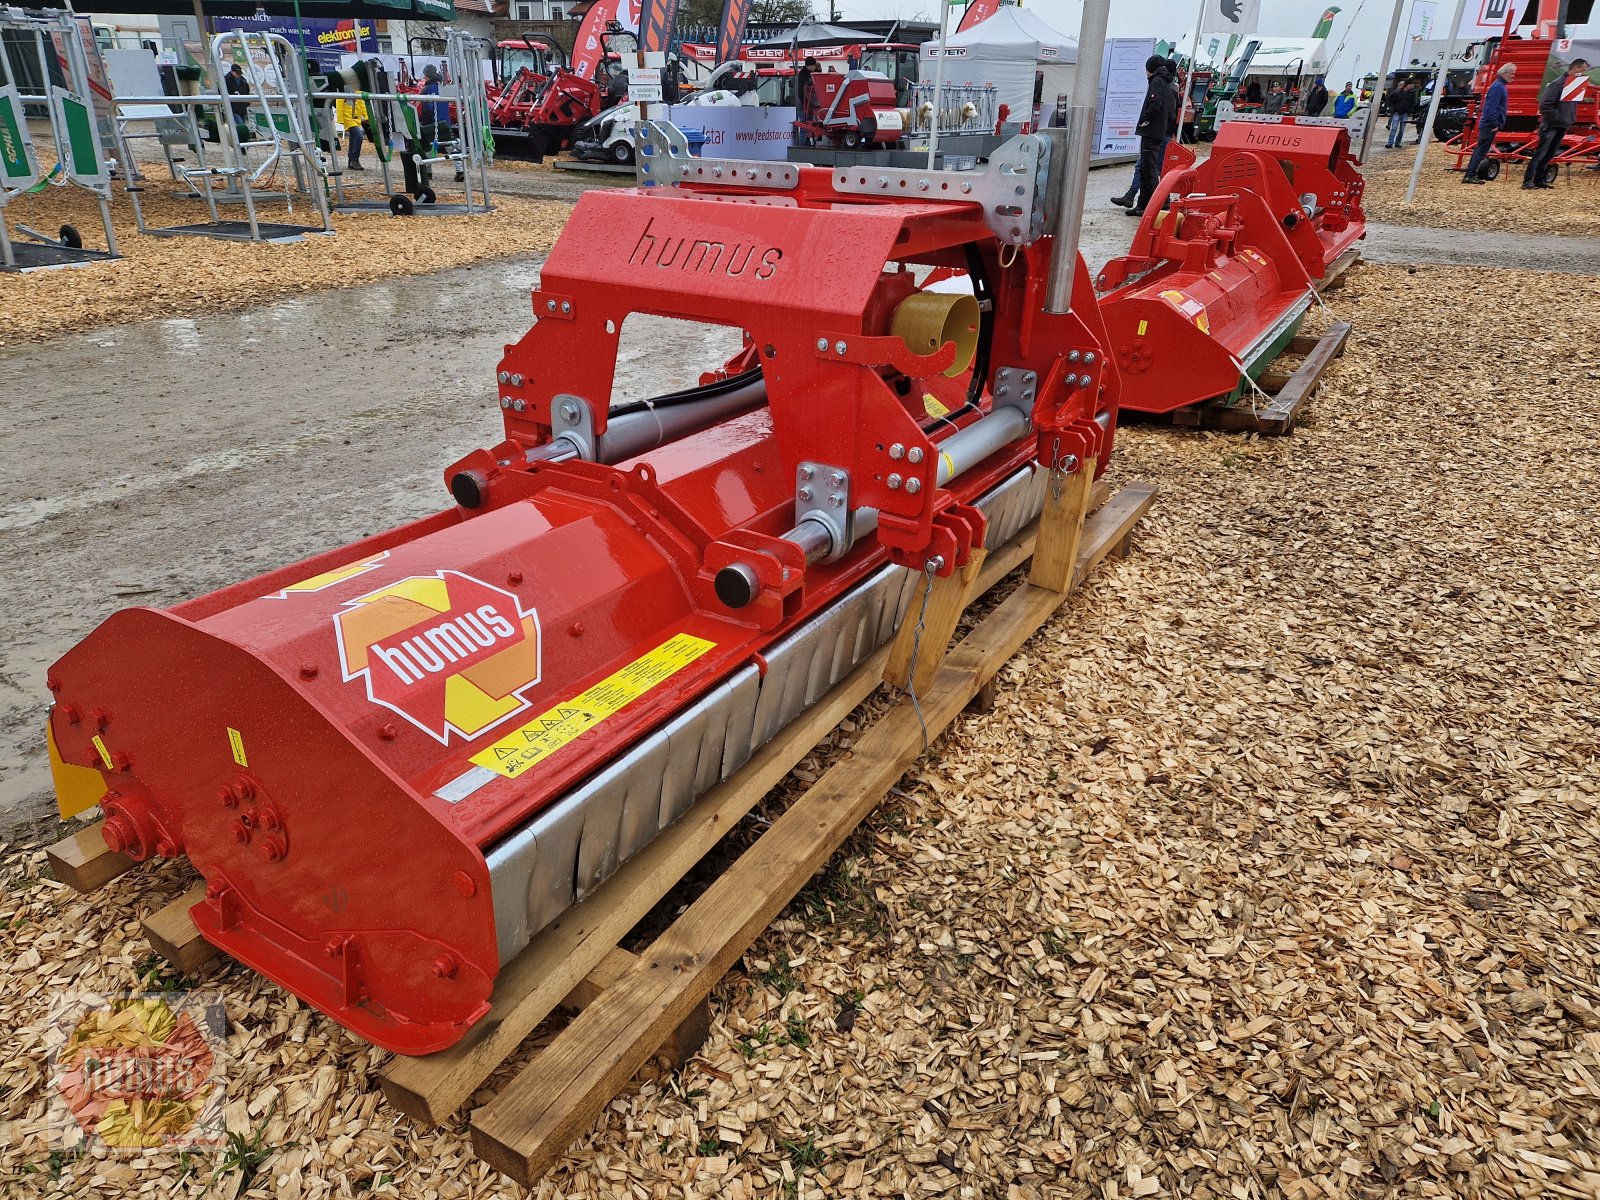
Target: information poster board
<point x="1123" y="84"/>
<point x="739" y="131"/>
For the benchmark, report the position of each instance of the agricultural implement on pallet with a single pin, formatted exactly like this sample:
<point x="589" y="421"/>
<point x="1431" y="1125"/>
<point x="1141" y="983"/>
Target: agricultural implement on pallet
<point x="1227" y="261"/>
<point x="395" y="762"/>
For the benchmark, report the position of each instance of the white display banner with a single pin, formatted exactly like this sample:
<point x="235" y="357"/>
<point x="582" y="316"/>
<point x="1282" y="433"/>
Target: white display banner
<point x="1484" y="18"/>
<point x="1231" y="16"/>
<point x="1424" y="20"/>
<point x="743" y="131"/>
<point x="1123" y="84"/>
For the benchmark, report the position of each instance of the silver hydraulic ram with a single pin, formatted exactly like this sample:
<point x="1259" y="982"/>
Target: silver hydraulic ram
<point x="737" y="584"/>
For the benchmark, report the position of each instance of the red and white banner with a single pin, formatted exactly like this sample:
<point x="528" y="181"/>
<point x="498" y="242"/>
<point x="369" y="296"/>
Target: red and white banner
<point x="978" y="10"/>
<point x="589" y="47"/>
<point x="1484" y="18"/>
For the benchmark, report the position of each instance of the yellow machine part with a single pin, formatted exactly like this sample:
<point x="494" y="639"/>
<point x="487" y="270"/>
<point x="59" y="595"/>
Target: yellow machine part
<point x="77" y="788"/>
<point x="924" y="321"/>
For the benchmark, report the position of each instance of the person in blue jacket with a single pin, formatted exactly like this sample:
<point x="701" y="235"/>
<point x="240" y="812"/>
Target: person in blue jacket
<point x="1490" y="122"/>
<point x="1345" y="102"/>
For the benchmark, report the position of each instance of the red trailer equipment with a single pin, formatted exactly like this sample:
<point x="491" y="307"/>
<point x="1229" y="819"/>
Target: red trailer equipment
<point x="1518" y="140"/>
<point x="854" y="109"/>
<point x="1221" y="273"/>
<point x="395" y="761"/>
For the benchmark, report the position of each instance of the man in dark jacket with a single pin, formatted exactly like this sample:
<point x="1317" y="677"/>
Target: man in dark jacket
<point x="1158" y="120"/>
<point x="1490" y="122"/>
<point x="1316" y="98"/>
<point x="238" y="85"/>
<point x="1402" y="101"/>
<point x="1555" y="118"/>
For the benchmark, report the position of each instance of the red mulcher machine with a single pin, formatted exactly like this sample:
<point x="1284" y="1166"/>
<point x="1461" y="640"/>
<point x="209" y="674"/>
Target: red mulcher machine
<point x="1224" y="269"/>
<point x="395" y="762"/>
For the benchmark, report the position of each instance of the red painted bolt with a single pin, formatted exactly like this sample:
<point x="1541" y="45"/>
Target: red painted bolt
<point x="241" y="832"/>
<point x="308" y="670"/>
<point x="165" y="848"/>
<point x="70" y="714"/>
<point x="53" y="682"/>
<point x="334" y="948"/>
<point x="514" y="578"/>
<point x="228" y="797"/>
<point x="464" y="884"/>
<point x="576" y="629"/>
<point x="245" y="787"/>
<point x="387" y="732"/>
<point x="274" y="849"/>
<point x="120" y="760"/>
<point x="100" y="717"/>
<point x="445" y="966"/>
<point x="215" y="888"/>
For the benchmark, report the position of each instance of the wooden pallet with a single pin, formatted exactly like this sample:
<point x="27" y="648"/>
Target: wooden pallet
<point x="633" y="1008"/>
<point x="1334" y="275"/>
<point x="1286" y="392"/>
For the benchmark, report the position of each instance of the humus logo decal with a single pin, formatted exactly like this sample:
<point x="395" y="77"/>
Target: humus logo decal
<point x="448" y="652"/>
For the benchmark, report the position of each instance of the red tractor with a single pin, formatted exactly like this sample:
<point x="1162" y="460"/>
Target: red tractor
<point x="545" y="101"/>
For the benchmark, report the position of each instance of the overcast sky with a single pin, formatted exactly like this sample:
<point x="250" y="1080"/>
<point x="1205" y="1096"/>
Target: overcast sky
<point x="1361" y="25"/>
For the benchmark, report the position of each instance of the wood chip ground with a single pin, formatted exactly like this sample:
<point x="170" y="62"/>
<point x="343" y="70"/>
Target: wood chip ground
<point x="192" y="276"/>
<point x="1571" y="209"/>
<point x="1272" y="873"/>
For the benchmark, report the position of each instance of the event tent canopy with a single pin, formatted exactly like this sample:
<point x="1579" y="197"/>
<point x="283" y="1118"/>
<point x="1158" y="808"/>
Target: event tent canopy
<point x="820" y="33"/>
<point x="1008" y="50"/>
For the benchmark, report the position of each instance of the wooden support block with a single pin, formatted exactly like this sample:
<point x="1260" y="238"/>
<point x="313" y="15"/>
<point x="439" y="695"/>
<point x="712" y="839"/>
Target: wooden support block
<point x="172" y="934"/>
<point x="1055" y="553"/>
<point x="983" y="703"/>
<point x="925" y="633"/>
<point x="686" y="1039"/>
<point x="606" y="972"/>
<point x="84" y="862"/>
<point x="527" y="1127"/>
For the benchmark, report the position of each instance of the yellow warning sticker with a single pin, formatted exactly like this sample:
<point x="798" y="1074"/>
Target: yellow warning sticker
<point x="105" y="755"/>
<point x="931" y="403"/>
<point x="236" y="743"/>
<point x="555" y="727"/>
<point x="1143" y="325"/>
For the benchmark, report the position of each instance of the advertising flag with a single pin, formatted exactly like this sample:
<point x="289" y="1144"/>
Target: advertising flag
<point x="978" y="10"/>
<point x="656" y="19"/>
<point x="589" y="48"/>
<point x="1484" y="18"/>
<point x="731" y="36"/>
<point x="1230" y="16"/>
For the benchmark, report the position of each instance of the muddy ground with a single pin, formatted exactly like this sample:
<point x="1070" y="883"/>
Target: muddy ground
<point x="152" y="462"/>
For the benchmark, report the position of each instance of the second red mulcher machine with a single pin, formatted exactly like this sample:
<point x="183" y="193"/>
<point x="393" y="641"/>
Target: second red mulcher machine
<point x="396" y="762"/>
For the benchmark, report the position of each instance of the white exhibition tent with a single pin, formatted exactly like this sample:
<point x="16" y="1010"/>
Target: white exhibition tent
<point x="1010" y="50"/>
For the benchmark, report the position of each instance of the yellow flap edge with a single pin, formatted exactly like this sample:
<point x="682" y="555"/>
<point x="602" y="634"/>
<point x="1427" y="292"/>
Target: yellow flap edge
<point x="77" y="788"/>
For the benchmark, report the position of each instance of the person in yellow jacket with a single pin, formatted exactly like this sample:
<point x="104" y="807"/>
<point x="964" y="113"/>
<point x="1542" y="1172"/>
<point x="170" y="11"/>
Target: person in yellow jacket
<point x="352" y="116"/>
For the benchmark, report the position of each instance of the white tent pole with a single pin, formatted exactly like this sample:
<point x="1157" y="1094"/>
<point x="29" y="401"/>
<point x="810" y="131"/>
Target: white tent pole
<point x="938" y="80"/>
<point x="1439" y="76"/>
<point x="1194" y="59"/>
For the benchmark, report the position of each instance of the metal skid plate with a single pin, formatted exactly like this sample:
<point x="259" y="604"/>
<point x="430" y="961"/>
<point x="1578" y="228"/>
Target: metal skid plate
<point x="664" y="160"/>
<point x="1011" y="188"/>
<point x="573" y="845"/>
